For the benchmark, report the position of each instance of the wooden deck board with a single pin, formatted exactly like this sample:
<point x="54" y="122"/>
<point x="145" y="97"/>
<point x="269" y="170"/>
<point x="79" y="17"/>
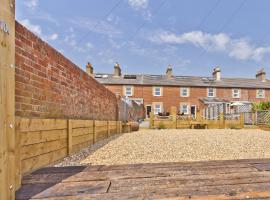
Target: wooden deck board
<point x="237" y="179"/>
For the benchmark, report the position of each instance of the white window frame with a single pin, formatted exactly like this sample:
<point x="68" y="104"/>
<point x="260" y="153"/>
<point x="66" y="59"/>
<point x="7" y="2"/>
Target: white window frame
<point x="182" y="89"/>
<point x="160" y="91"/>
<point x="186" y="110"/>
<point x="236" y="95"/>
<point x="160" y="110"/>
<point x="214" y="92"/>
<point x="131" y="90"/>
<point x="258" y="96"/>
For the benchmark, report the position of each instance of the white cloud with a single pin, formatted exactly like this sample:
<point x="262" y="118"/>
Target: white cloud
<point x="89" y="45"/>
<point x="103" y="27"/>
<point x="71" y="40"/>
<point x="138" y="4"/>
<point x="240" y="49"/>
<point x="32" y="4"/>
<point x="34" y="28"/>
<point x="53" y="36"/>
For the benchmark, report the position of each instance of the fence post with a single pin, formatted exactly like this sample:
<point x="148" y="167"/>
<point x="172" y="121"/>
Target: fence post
<point x="108" y="129"/>
<point x="242" y="123"/>
<point x="222" y="121"/>
<point x="94" y="132"/>
<point x="69" y="138"/>
<point x="7" y="100"/>
<point x="152" y="120"/>
<point x="173" y="114"/>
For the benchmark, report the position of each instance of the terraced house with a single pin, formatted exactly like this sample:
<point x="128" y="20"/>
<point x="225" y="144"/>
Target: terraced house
<point x="189" y="94"/>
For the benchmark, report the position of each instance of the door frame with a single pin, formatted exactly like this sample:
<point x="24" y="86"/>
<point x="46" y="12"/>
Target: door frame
<point x="195" y="114"/>
<point x="148" y="105"/>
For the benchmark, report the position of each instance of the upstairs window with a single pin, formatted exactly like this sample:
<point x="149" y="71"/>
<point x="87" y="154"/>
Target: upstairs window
<point x="236" y="93"/>
<point x="260" y="94"/>
<point x="184" y="92"/>
<point x="128" y="91"/>
<point x="211" y="92"/>
<point x="157" y="91"/>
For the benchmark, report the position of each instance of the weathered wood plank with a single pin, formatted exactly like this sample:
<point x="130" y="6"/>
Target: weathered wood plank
<point x="73" y="189"/>
<point x="42" y="148"/>
<point x="27" y="125"/>
<point x="82" y="139"/>
<point x="33" y="163"/>
<point x="35" y="137"/>
<point x="82" y="131"/>
<point x="82" y="123"/>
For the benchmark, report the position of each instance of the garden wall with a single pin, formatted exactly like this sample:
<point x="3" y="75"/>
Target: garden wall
<point x="48" y="85"/>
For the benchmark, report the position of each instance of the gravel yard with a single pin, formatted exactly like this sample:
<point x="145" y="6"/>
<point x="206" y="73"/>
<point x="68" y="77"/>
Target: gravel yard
<point x="151" y="146"/>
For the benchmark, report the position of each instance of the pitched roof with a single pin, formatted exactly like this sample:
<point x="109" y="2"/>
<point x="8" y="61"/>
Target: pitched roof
<point x="163" y="80"/>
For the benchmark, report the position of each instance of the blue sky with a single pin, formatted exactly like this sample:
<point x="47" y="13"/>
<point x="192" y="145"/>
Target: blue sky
<point x="145" y="36"/>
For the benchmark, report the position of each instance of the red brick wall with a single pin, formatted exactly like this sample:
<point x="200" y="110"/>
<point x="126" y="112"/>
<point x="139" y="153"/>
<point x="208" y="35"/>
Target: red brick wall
<point x="48" y="85"/>
<point x="171" y="95"/>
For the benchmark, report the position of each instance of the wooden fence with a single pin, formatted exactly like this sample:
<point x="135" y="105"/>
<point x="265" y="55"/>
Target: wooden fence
<point x="174" y="122"/>
<point x="40" y="142"/>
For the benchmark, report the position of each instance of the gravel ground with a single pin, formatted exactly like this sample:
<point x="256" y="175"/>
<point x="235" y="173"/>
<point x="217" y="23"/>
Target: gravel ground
<point x="152" y="146"/>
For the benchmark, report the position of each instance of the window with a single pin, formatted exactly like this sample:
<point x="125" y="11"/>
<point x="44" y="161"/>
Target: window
<point x="184" y="108"/>
<point x="184" y="92"/>
<point x="157" y="91"/>
<point x="158" y="108"/>
<point x="128" y="91"/>
<point x="260" y="94"/>
<point x="211" y="92"/>
<point x="236" y="93"/>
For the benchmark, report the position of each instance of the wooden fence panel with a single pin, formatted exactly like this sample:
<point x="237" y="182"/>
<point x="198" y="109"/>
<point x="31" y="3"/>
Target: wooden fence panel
<point x="101" y="130"/>
<point x="112" y="126"/>
<point x="82" y="134"/>
<point x="41" y="142"/>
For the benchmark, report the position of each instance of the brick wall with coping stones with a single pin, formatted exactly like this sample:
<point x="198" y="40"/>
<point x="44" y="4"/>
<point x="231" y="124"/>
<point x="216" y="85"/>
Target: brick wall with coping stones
<point x="48" y="85"/>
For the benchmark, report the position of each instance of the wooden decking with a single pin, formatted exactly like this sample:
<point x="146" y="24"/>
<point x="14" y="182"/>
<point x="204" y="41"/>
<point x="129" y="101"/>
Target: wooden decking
<point x="240" y="179"/>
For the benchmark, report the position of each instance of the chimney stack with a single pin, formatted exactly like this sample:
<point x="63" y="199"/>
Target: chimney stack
<point x="261" y="75"/>
<point x="117" y="70"/>
<point x="217" y="73"/>
<point x="89" y="69"/>
<point x="169" y="73"/>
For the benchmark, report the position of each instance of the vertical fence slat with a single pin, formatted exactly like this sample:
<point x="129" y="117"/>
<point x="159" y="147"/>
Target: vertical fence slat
<point x="69" y="137"/>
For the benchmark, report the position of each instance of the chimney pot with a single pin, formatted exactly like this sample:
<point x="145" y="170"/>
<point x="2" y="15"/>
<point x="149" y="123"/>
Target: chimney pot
<point x="217" y="73"/>
<point x="261" y="75"/>
<point x="169" y="73"/>
<point x="117" y="70"/>
<point x="89" y="69"/>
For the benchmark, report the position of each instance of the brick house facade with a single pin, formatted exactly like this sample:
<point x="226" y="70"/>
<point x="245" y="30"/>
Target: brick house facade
<point x="159" y="93"/>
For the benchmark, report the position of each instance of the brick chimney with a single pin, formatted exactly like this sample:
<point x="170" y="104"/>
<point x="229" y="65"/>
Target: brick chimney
<point x="169" y="73"/>
<point x="261" y="75"/>
<point x="89" y="69"/>
<point x="217" y="73"/>
<point x="117" y="70"/>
